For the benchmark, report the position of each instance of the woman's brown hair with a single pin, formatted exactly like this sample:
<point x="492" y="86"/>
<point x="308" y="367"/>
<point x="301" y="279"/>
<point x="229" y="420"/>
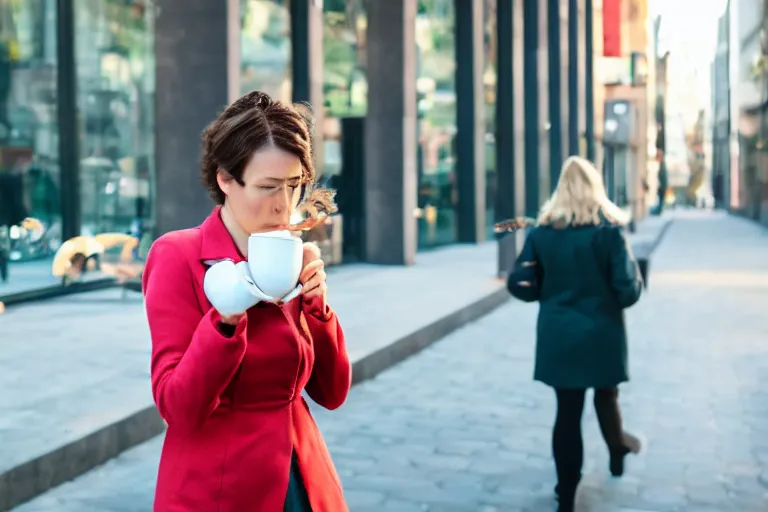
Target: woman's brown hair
<point x="252" y="122"/>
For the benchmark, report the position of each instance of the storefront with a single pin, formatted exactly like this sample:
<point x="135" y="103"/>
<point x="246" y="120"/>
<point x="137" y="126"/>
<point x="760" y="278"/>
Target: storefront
<point x="95" y="91"/>
<point x="102" y="103"/>
<point x="78" y="154"/>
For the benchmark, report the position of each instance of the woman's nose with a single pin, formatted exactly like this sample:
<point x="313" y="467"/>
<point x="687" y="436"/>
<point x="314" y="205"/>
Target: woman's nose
<point x="282" y="201"/>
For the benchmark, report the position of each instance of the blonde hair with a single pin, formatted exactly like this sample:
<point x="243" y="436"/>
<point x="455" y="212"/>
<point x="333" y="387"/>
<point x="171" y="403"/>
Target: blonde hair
<point x="580" y="198"/>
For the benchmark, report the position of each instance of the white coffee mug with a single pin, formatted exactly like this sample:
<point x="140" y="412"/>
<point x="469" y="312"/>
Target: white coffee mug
<point x="229" y="289"/>
<point x="275" y="259"/>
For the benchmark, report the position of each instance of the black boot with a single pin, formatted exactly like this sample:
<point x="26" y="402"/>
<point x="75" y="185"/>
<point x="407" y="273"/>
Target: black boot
<point x="566" y="497"/>
<point x="631" y="444"/>
<point x="565" y="501"/>
<point x="619" y="442"/>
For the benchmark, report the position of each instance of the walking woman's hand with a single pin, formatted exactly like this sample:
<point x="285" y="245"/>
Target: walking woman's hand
<point x="526" y="264"/>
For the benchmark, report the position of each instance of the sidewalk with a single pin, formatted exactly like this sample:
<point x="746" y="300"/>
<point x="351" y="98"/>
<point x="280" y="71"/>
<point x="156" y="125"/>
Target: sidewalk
<point x="458" y="429"/>
<point x="77" y="369"/>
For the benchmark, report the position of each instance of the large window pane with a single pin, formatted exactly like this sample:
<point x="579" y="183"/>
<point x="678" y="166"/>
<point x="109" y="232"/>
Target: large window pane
<point x="489" y="82"/>
<point x="344" y="31"/>
<point x="436" y="67"/>
<point x="265" y="47"/>
<point x="29" y="166"/>
<point x="114" y="54"/>
<point x="345" y="92"/>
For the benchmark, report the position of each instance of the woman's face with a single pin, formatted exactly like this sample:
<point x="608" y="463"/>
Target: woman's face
<point x="272" y="190"/>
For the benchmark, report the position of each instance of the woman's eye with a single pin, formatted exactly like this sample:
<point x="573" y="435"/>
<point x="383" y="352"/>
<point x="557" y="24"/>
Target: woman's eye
<point x="267" y="187"/>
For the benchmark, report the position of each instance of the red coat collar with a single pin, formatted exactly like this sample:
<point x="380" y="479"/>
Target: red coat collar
<point x="216" y="242"/>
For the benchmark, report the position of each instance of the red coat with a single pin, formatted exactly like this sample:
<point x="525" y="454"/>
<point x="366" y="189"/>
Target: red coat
<point x="233" y="405"/>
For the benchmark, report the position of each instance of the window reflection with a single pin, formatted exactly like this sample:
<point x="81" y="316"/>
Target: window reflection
<point x="436" y="67"/>
<point x="345" y="91"/>
<point x="265" y="48"/>
<point x="344" y="31"/>
<point x="114" y="52"/>
<point x="489" y="83"/>
<point x="29" y="167"/>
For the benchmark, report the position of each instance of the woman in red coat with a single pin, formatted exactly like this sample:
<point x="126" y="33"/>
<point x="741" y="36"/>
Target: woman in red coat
<point x="240" y="436"/>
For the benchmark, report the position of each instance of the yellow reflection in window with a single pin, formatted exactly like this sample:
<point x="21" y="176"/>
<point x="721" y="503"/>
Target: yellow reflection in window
<point x="83" y="253"/>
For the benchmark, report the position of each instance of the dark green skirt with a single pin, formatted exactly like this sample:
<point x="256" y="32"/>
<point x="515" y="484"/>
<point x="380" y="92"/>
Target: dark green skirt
<point x="296" y="499"/>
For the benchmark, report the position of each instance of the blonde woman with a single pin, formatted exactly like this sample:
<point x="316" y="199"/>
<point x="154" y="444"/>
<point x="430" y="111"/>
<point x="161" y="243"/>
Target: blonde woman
<point x="576" y="263"/>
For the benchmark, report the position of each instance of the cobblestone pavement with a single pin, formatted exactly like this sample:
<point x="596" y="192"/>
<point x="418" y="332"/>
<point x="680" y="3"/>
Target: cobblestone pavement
<point x="461" y="426"/>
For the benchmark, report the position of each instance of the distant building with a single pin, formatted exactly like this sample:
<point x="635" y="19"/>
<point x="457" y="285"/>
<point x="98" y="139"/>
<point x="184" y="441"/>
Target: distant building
<point x="748" y="82"/>
<point x="721" y="114"/>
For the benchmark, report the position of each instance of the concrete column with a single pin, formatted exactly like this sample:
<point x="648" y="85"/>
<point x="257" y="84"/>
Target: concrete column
<point x="470" y="108"/>
<point x="193" y="39"/>
<point x="390" y="134"/>
<point x="307" y="65"/>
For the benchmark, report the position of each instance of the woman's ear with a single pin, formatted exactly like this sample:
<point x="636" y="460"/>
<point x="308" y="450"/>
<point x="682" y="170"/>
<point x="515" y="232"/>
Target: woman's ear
<point x="224" y="179"/>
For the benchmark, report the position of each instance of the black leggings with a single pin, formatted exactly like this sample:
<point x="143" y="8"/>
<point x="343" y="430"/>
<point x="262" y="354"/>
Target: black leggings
<point x="567" y="444"/>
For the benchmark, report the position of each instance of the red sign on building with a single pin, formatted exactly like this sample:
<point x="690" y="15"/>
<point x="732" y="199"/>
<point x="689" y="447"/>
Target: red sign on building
<point x="612" y="28"/>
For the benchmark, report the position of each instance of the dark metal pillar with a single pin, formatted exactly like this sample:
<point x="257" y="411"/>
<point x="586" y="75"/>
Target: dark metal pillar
<point x="589" y="106"/>
<point x="470" y="110"/>
<point x="505" y="206"/>
<point x="69" y="129"/>
<point x="307" y="65"/>
<point x="556" y="110"/>
<point x="531" y="105"/>
<point x="573" y="77"/>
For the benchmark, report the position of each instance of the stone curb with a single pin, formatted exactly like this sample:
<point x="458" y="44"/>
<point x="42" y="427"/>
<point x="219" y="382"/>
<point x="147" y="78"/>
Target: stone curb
<point x="57" y="290"/>
<point x="32" y="478"/>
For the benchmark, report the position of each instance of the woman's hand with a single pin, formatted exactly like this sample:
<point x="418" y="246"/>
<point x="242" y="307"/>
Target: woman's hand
<point x="312" y="277"/>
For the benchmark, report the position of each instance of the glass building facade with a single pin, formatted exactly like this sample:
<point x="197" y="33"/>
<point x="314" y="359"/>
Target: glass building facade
<point x="81" y="167"/>
<point x="50" y="190"/>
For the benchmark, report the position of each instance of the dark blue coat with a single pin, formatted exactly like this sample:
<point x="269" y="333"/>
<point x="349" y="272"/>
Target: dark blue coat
<point x="583" y="277"/>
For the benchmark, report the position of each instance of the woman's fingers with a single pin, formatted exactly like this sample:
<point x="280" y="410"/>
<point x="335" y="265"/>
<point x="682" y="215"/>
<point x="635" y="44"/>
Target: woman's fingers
<point x="316" y="280"/>
<point x="310" y="270"/>
<point x="315" y="289"/>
